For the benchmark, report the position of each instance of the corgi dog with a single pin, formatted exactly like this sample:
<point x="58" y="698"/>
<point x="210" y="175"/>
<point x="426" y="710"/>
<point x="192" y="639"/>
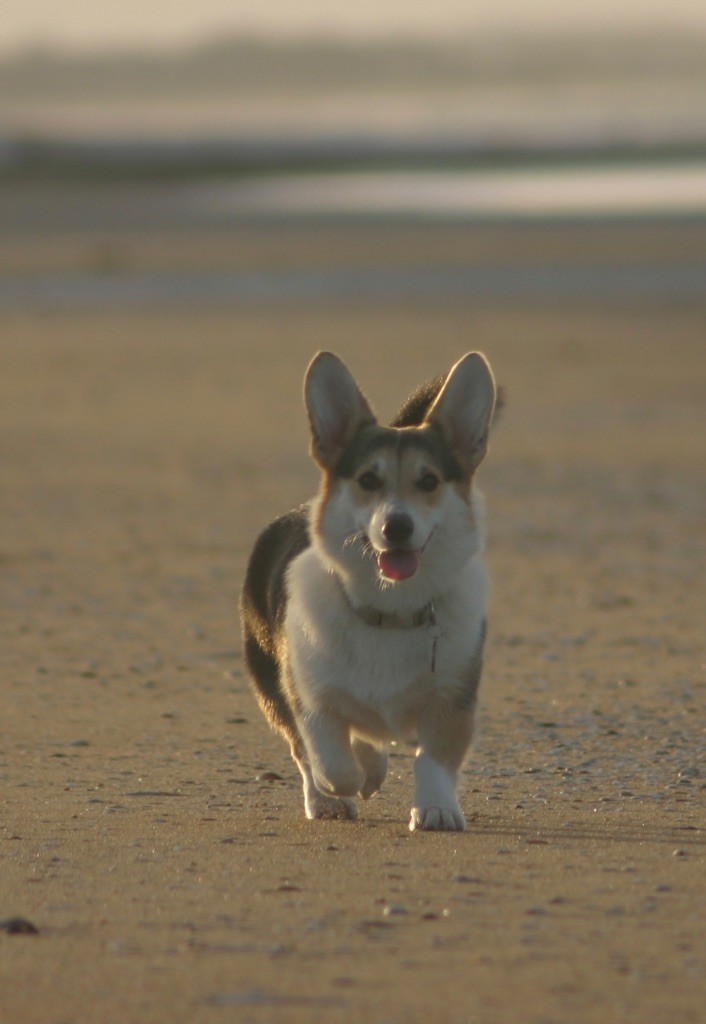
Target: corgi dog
<point x="363" y="611"/>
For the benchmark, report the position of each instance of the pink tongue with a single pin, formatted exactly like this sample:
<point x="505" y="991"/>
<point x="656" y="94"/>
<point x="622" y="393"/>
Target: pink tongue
<point x="398" y="565"/>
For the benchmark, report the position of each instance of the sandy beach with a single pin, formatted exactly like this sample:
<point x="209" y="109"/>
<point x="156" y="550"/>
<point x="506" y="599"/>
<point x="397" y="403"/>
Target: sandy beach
<point x="151" y="828"/>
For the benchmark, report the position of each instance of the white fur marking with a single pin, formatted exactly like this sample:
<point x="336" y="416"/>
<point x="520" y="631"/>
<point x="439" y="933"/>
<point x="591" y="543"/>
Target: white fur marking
<point x="435" y="804"/>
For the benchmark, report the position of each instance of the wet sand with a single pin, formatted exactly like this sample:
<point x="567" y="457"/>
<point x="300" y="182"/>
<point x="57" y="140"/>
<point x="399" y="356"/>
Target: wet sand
<point x="169" y="881"/>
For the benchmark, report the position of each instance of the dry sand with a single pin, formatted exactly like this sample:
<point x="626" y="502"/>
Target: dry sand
<point x="141" y="454"/>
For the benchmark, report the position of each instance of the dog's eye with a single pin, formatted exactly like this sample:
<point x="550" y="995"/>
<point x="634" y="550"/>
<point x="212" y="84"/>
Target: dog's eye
<point x="428" y="483"/>
<point x="369" y="481"/>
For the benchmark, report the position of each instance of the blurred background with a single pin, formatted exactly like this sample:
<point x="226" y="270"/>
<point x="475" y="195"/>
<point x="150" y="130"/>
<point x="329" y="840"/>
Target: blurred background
<point x="237" y="125"/>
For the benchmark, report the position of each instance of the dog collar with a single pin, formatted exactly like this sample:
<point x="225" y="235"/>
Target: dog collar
<point x="389" y="620"/>
<point x="426" y="616"/>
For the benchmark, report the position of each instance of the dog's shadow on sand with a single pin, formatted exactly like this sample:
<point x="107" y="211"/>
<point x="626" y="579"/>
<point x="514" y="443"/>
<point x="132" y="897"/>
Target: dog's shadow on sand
<point x="559" y="833"/>
<point x="564" y="833"/>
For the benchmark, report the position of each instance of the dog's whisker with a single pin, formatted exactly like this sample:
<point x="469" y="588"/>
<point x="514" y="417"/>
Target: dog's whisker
<point x="362" y="538"/>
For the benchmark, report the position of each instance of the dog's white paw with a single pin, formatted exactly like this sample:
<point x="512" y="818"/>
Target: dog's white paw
<point x="320" y="806"/>
<point x="437" y="819"/>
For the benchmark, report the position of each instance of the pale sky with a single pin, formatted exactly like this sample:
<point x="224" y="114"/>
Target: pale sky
<point x="168" y="22"/>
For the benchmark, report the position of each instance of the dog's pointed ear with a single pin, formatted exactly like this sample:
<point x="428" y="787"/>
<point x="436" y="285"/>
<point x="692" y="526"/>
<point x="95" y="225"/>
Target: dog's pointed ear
<point x="336" y="406"/>
<point x="464" y="407"/>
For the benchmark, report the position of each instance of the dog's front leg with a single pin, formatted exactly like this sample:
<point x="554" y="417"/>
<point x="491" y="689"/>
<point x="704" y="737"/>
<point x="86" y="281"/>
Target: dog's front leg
<point x="373" y="761"/>
<point x="328" y="742"/>
<point x="445" y="731"/>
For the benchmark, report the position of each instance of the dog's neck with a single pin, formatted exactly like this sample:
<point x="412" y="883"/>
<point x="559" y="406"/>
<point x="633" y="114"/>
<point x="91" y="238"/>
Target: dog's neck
<point x="424" y="616"/>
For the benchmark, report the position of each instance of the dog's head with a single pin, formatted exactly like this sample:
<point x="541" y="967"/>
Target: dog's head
<point x="396" y="501"/>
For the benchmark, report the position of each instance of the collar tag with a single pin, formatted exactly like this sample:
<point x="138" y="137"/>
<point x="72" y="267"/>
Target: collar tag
<point x="437" y="633"/>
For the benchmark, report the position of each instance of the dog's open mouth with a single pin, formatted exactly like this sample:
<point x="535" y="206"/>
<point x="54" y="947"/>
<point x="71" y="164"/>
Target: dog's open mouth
<point x="398" y="564"/>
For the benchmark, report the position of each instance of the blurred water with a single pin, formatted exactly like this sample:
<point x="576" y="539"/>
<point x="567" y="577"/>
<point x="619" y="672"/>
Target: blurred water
<point x="621" y="190"/>
<point x="672" y="192"/>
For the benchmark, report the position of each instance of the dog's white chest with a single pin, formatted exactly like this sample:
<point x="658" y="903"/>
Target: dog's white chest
<point x="378" y="679"/>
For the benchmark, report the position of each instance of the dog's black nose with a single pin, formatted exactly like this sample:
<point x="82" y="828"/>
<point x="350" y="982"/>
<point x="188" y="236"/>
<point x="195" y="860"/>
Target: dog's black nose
<point x="398" y="528"/>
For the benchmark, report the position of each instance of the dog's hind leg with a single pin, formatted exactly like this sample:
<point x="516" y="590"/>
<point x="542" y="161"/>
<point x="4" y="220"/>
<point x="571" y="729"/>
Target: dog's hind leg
<point x="317" y="804"/>
<point x="373" y="761"/>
